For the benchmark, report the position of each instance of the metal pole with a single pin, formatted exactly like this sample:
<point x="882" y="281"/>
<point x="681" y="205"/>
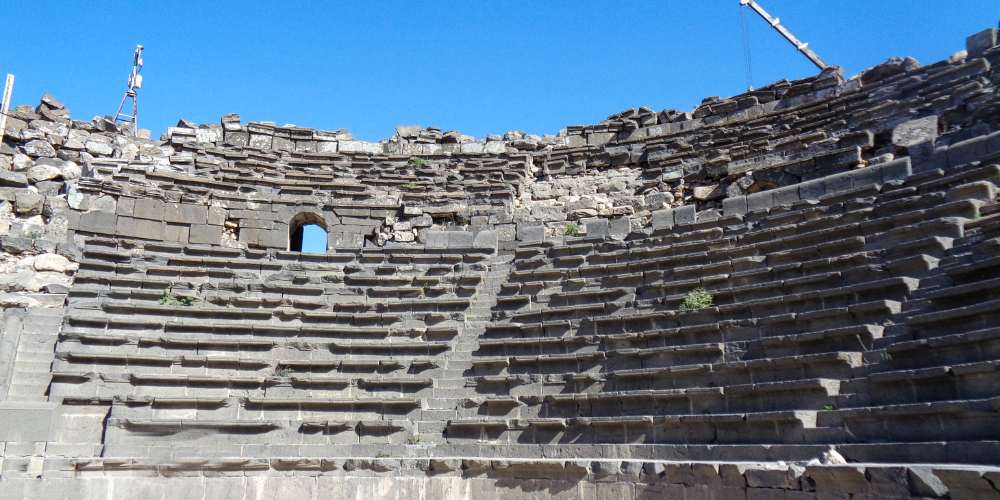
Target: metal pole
<point x="787" y="35"/>
<point x="8" y="89"/>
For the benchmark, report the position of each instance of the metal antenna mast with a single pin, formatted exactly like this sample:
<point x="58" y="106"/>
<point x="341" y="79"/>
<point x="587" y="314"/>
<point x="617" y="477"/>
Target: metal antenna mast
<point x="783" y="31"/>
<point x="134" y="84"/>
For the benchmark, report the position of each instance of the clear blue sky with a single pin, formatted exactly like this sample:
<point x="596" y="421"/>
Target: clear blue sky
<point x="474" y="66"/>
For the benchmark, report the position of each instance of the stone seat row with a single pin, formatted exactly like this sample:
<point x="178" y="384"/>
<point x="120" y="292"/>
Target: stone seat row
<point x="503" y="374"/>
<point x="80" y="322"/>
<point x="940" y="381"/>
<point x="751" y="341"/>
<point x="692" y="325"/>
<point x="963" y="420"/>
<point x="75" y="384"/>
<point x="960" y="381"/>
<point x="379" y="313"/>
<point x="115" y="248"/>
<point x="725" y="288"/>
<point x="600" y="315"/>
<point x="400" y="299"/>
<point x="256" y="405"/>
<point x="90" y="342"/>
<point x="794" y="394"/>
<point x="247" y="381"/>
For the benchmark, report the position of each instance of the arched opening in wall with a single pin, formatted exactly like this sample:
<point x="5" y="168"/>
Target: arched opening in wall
<point x="307" y="233"/>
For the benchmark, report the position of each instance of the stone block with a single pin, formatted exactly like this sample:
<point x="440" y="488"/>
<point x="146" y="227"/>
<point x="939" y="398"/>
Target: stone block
<point x="663" y="219"/>
<point x="977" y="44"/>
<point x="460" y="239"/>
<point x="530" y="233"/>
<point x="28" y="203"/>
<point x="759" y="202"/>
<point x="126" y="206"/>
<point x="734" y="205"/>
<point x="239" y="139"/>
<point x="685" y="215"/>
<point x="969" y="150"/>
<point x="619" y="228"/>
<point x="548" y="214"/>
<point x="924" y="482"/>
<point x="838" y="161"/>
<point x="282" y="144"/>
<point x="148" y="208"/>
<point x="435" y="239"/>
<point x="205" y="234"/>
<point x="260" y="141"/>
<point x="895" y="170"/>
<point x="185" y="213"/>
<point x="345" y="240"/>
<point x="811" y="190"/>
<point x="916" y="131"/>
<point x="506" y="232"/>
<point x="837" y="183"/>
<point x="979" y="190"/>
<point x="596" y="227"/>
<point x="13" y="179"/>
<point x="888" y="482"/>
<point x="216" y="216"/>
<point x="785" y="478"/>
<point x="838" y="479"/>
<point x="275" y="238"/>
<point x="486" y="240"/>
<point x="98" y="222"/>
<point x="25" y="422"/>
<point x="176" y="232"/>
<point x="786" y="195"/>
<point x="865" y="177"/>
<point x="139" y="228"/>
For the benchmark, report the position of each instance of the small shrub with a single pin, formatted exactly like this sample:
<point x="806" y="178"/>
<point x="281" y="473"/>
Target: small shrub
<point x="176" y="300"/>
<point x="416" y="162"/>
<point x="697" y="299"/>
<point x="828" y="407"/>
<point x="572" y="229"/>
<point x="409" y="185"/>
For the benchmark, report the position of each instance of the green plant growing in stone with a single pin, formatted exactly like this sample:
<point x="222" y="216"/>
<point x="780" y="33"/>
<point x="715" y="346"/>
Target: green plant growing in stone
<point x="409" y="185"/>
<point x="176" y="300"/>
<point x="697" y="299"/>
<point x="572" y="229"/>
<point x="416" y="162"/>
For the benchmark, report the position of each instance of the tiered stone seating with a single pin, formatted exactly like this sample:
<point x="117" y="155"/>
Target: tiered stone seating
<point x="516" y="316"/>
<point x="327" y="346"/>
<point x="591" y="340"/>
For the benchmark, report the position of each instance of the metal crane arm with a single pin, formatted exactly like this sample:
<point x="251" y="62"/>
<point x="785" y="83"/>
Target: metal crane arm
<point x="776" y="24"/>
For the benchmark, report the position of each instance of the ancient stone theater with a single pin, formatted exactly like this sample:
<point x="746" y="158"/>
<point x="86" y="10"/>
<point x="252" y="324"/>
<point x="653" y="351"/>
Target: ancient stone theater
<point x="791" y="293"/>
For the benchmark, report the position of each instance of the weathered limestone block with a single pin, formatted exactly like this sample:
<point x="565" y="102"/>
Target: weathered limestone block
<point x="205" y="234"/>
<point x="528" y="233"/>
<point x="917" y="131"/>
<point x="139" y="228"/>
<point x="39" y="149"/>
<point x="54" y="262"/>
